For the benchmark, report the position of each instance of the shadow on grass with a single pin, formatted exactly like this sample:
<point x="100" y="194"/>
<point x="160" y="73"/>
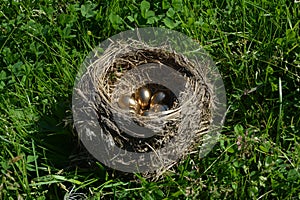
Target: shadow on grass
<point x="63" y="154"/>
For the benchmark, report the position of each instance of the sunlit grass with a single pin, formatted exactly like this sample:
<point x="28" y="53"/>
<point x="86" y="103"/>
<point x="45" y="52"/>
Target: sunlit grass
<point x="255" y="46"/>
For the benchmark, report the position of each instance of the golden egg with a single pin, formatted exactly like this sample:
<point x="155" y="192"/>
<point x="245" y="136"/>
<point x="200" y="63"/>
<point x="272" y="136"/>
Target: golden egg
<point x="158" y="108"/>
<point x="143" y="96"/>
<point x="127" y="102"/>
<point x="158" y="98"/>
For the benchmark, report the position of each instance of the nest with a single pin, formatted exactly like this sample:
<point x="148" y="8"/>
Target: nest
<point x="180" y="131"/>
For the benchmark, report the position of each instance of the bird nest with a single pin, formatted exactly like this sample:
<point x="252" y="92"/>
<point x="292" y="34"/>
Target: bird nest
<point x="163" y="137"/>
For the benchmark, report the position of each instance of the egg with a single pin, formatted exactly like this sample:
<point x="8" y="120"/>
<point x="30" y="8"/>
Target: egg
<point x="158" y="108"/>
<point x="158" y="98"/>
<point x="126" y="102"/>
<point x="146" y="113"/>
<point x="142" y="96"/>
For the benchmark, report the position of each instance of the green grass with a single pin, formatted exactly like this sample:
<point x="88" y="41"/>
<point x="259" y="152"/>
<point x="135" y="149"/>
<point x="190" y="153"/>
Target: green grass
<point x="256" y="46"/>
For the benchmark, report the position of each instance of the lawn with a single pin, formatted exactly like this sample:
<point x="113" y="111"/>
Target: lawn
<point x="255" y="45"/>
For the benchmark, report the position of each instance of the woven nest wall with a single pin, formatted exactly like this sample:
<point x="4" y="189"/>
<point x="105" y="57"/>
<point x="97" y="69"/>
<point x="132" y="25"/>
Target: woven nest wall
<point x="175" y="133"/>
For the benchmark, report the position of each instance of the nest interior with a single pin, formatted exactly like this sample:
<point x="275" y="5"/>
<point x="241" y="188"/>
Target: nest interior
<point x="128" y="57"/>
